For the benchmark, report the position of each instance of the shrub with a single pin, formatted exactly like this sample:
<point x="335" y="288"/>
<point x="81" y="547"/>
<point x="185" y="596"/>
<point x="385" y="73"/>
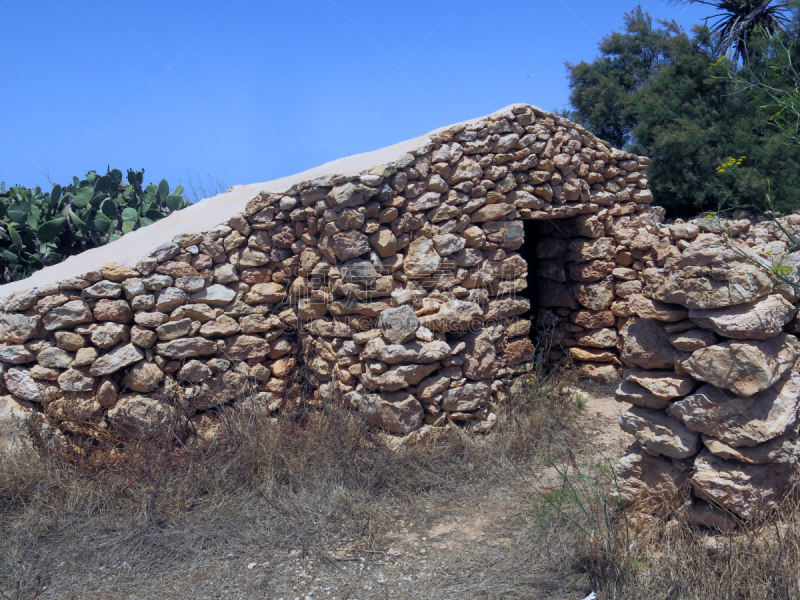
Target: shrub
<point x="40" y="229"/>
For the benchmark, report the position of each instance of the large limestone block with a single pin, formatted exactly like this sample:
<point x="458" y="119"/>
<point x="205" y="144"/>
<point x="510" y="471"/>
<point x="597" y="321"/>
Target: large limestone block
<point x="143" y="377"/>
<point x="745" y="368"/>
<point x="651" y="484"/>
<point x="399" y="412"/>
<point x="456" y="315"/>
<point x="664" y="384"/>
<point x="74" y="312"/>
<point x="782" y="449"/>
<point x="633" y="393"/>
<point x="399" y="325"/>
<point x="659" y="432"/>
<point x="743" y="489"/>
<point x="187" y="348"/>
<point x="598" y="338"/>
<point x="595" y="296"/>
<point x="480" y="356"/>
<point x="399" y="377"/>
<point x="421" y="258"/>
<point x="214" y="295"/>
<point x="18" y="328"/>
<point x="710" y="274"/>
<point x="764" y="318"/>
<point x="645" y="344"/>
<point x="20" y="383"/>
<point x="117" y="359"/>
<point x="350" y="244"/>
<point x="466" y="398"/>
<point x="741" y="421"/>
<point x="138" y="416"/>
<point x="653" y="309"/>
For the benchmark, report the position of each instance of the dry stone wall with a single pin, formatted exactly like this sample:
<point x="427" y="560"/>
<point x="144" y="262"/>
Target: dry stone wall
<point x="403" y="289"/>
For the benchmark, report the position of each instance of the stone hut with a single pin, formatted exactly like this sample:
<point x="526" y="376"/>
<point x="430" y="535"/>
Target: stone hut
<point x="411" y="283"/>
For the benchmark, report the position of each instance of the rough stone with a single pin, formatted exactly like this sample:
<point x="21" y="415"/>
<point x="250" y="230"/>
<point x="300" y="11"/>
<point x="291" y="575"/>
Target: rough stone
<point x="744" y="367"/>
<point x="645" y="344"/>
<point x="137" y="416"/>
<point x="757" y="320"/>
<point x="744" y="489"/>
<point x="741" y="421"/>
<point x="659" y="432"/>
<point x="399" y="325"/>
<point x="214" y="295"/>
<point x="74" y="312"/>
<point x="117" y="359"/>
<point x="651" y="484"/>
<point x="399" y="412"/>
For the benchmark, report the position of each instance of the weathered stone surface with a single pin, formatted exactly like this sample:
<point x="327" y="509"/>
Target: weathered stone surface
<point x="20" y="383"/>
<point x="710" y="274"/>
<point x="694" y="339"/>
<point x="757" y="320"/>
<point x="741" y="421"/>
<point x="638" y="395"/>
<point x="398" y="325"/>
<point x="744" y="489"/>
<point x="214" y="295"/>
<point x="223" y="326"/>
<point x="103" y="289"/>
<point x="646" y="344"/>
<point x="109" y="335"/>
<point x="195" y="371"/>
<point x="18" y="328"/>
<point x="246" y="347"/>
<point x="138" y="416"/>
<point x="16" y="355"/>
<point x="265" y="292"/>
<point x="659" y="432"/>
<point x="480" y="355"/>
<point x="598" y="338"/>
<point x="187" y="348"/>
<point x="744" y="367"/>
<point x="647" y="308"/>
<point x="664" y="384"/>
<point x="116" y="311"/>
<point x="54" y="358"/>
<point x="593" y="354"/>
<point x="782" y="449"/>
<point x="456" y="315"/>
<point x="421" y="258"/>
<point x="143" y="377"/>
<point x="468" y="397"/>
<point x="651" y="484"/>
<point x="595" y="296"/>
<point x="172" y="330"/>
<point x="117" y="359"/>
<point x="117" y="272"/>
<point x="350" y="244"/>
<point x="398" y="377"/>
<point x="399" y="412"/>
<point x="74" y="312"/>
<point x="169" y="299"/>
<point x="76" y="380"/>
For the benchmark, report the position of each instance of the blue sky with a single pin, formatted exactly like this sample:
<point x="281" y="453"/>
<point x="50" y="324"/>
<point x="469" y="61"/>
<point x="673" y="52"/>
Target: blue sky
<point x="246" y="91"/>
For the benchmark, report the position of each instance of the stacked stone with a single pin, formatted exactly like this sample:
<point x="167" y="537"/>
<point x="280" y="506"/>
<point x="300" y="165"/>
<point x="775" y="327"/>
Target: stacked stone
<point x="711" y="374"/>
<point x="396" y="289"/>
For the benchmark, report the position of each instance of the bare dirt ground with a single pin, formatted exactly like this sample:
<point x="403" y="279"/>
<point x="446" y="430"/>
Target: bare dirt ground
<point x="489" y="536"/>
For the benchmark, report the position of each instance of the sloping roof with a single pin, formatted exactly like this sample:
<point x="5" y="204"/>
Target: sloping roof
<point x="210" y="212"/>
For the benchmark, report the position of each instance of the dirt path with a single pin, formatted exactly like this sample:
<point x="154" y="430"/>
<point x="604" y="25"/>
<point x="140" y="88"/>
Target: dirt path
<point x="475" y="543"/>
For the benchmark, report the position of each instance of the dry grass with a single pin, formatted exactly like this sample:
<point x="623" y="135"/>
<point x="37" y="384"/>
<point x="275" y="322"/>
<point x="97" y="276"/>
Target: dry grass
<point x="320" y="506"/>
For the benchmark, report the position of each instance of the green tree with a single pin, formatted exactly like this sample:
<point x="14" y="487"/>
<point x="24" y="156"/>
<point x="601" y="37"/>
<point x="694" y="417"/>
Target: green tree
<point x="654" y="91"/>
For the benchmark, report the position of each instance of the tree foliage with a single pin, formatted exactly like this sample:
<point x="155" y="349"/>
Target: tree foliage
<point x="43" y="228"/>
<point x="739" y="20"/>
<point x="658" y="91"/>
